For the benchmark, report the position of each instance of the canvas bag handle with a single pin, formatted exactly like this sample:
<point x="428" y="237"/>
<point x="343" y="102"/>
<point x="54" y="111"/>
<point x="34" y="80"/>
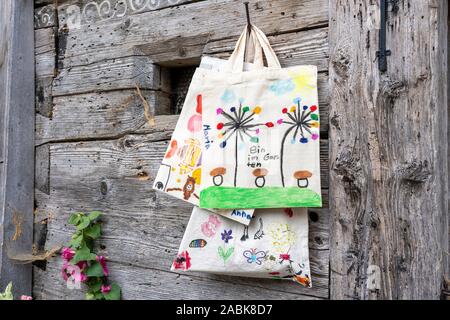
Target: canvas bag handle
<point x="260" y="44"/>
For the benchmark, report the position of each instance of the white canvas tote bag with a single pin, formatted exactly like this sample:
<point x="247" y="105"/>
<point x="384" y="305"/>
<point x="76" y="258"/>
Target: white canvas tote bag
<point x="180" y="172"/>
<point x="274" y="245"/>
<point x="262" y="147"/>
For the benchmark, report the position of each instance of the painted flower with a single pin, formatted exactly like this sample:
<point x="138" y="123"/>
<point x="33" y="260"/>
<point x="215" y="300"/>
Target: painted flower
<point x="226" y="235"/>
<point x="285" y="257"/>
<point x="209" y="227"/>
<point x="102" y="262"/>
<point x="23" y="297"/>
<point x="182" y="261"/>
<point x="67" y="253"/>
<point x="105" y="289"/>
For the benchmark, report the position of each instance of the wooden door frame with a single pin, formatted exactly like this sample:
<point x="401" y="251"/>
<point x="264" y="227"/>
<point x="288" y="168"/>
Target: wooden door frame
<point x="17" y="118"/>
<point x="388" y="152"/>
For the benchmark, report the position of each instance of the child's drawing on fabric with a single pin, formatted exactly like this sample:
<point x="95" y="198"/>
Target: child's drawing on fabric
<point x="180" y="173"/>
<point x="254" y="256"/>
<point x="209" y="228"/>
<point x="182" y="261"/>
<point x="265" y="147"/>
<point x="277" y="247"/>
<point x="198" y="243"/>
<point x="225" y="253"/>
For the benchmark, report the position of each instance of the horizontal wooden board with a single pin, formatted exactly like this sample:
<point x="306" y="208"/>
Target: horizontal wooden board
<point x="187" y="28"/>
<point x="114" y="74"/>
<point x="112" y="114"/>
<point x="102" y="115"/>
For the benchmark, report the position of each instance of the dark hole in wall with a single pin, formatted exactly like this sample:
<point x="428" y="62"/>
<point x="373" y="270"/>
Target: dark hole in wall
<point x="179" y="81"/>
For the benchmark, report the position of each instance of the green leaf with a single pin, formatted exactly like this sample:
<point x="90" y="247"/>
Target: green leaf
<point x="94" y="215"/>
<point x="114" y="294"/>
<point x="90" y="296"/>
<point x="76" y="241"/>
<point x="94" y="285"/>
<point x="83" y="254"/>
<point x="7" y="295"/>
<point x="95" y="270"/>
<point x="84" y="223"/>
<point x="74" y="218"/>
<point x="93" y="231"/>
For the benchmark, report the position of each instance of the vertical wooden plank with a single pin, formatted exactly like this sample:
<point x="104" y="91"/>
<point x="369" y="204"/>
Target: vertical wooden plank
<point x="388" y="152"/>
<point x="16" y="141"/>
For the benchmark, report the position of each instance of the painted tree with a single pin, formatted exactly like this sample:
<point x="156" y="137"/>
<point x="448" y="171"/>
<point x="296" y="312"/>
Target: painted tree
<point x="239" y="125"/>
<point x="301" y="122"/>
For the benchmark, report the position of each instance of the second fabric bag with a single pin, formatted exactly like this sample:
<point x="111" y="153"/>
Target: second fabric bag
<point x="274" y="245"/>
<point x="262" y="134"/>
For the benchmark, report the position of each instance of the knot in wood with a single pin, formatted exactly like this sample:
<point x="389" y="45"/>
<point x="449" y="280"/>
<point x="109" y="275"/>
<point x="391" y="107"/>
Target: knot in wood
<point x="341" y="63"/>
<point x="392" y="89"/>
<point x="415" y="171"/>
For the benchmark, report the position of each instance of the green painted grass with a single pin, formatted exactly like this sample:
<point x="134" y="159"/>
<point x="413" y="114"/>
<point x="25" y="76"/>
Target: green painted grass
<point x="254" y="198"/>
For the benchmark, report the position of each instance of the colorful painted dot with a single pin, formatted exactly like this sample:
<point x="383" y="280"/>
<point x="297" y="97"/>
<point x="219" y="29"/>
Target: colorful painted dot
<point x="285" y="110"/>
<point x="254" y="139"/>
<point x="220" y="126"/>
<point x="297" y="100"/>
<point x="258" y="131"/>
<point x="219" y="111"/>
<point x="257" y="110"/>
<point x="280" y="121"/>
<point x="233" y="109"/>
<point x="315" y="136"/>
<point x="313" y="108"/>
<point x="220" y="135"/>
<point x="246" y="109"/>
<point x="305" y="108"/>
<point x="178" y="180"/>
<point x="304" y="140"/>
<point x="293" y="108"/>
<point x="314" y="124"/>
<point x="314" y="117"/>
<point x="293" y="141"/>
<point x="269" y="125"/>
<point x="223" y="144"/>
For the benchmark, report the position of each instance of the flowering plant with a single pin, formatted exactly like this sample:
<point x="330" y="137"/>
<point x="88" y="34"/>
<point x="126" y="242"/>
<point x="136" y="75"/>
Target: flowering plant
<point x="82" y="265"/>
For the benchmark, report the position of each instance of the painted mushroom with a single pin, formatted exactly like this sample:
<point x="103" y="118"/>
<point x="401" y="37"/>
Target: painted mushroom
<point x="302" y="178"/>
<point x="260" y="175"/>
<point x="217" y="175"/>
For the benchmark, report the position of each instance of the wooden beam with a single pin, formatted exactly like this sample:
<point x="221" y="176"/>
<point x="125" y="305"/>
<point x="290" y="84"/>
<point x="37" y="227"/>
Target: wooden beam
<point x="16" y="141"/>
<point x="388" y="152"/>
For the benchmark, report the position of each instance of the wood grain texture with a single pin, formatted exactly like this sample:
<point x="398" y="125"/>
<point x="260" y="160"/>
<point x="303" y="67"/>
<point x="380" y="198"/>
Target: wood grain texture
<point x="98" y="151"/>
<point x="182" y="31"/>
<point x="388" y="149"/>
<point x="45" y="66"/>
<point x="16" y="142"/>
<point x="142" y="227"/>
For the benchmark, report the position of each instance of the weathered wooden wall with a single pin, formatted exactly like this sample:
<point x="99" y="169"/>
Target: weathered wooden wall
<point x="16" y="142"/>
<point x="388" y="139"/>
<point x="96" y="150"/>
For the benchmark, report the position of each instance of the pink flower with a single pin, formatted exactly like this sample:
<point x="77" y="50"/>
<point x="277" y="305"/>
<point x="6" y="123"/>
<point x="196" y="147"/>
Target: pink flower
<point x="102" y="261"/>
<point x="106" y="289"/>
<point x="83" y="277"/>
<point x="67" y="254"/>
<point x="26" y="298"/>
<point x="82" y="265"/>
